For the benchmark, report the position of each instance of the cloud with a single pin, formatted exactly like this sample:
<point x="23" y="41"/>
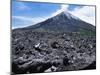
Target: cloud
<point x="22" y="6"/>
<point x="86" y="13"/>
<point x="23" y="18"/>
<point x="26" y="21"/>
<point x="62" y="9"/>
<point x="30" y="19"/>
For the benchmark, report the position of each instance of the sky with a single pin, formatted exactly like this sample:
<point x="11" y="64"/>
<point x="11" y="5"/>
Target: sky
<point x="29" y="13"/>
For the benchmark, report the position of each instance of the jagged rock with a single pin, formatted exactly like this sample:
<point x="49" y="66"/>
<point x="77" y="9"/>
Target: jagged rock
<point x="51" y="69"/>
<point x="66" y="61"/>
<point x="46" y="49"/>
<point x="55" y="45"/>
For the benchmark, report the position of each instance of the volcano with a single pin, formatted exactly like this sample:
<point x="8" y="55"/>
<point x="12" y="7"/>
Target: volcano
<point x="63" y="22"/>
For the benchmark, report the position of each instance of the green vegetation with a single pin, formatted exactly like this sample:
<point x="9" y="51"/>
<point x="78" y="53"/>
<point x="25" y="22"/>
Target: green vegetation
<point x="87" y="32"/>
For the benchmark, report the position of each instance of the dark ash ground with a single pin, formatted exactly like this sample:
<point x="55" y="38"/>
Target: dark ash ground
<point x="37" y="52"/>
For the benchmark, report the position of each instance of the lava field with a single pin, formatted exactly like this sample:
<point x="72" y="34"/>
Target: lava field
<point x="38" y="52"/>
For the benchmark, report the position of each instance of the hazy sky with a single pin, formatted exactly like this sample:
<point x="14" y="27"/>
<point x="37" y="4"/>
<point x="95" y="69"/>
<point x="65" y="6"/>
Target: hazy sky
<point x="29" y="13"/>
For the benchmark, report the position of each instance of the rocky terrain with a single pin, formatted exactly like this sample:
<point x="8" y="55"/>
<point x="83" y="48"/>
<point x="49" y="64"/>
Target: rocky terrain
<point x="54" y="45"/>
